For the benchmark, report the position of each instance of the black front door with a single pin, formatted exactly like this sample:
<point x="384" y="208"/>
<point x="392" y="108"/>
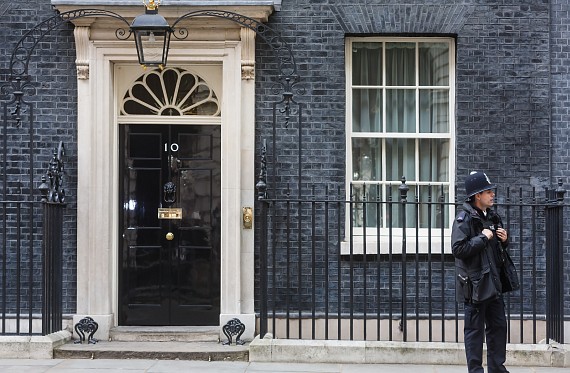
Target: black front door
<point x="169" y="201"/>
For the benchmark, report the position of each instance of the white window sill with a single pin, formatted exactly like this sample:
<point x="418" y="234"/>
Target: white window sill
<point x="420" y="245"/>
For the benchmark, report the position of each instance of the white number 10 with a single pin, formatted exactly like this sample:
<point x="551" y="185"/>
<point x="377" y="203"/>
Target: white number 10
<point x="173" y="147"/>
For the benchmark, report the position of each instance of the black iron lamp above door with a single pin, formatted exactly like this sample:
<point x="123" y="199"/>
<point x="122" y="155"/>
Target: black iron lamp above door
<point x="152" y="36"/>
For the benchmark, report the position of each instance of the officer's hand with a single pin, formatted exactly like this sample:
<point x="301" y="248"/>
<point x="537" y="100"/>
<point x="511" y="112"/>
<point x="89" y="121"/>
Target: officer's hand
<point x="502" y="234"/>
<point x="488" y="233"/>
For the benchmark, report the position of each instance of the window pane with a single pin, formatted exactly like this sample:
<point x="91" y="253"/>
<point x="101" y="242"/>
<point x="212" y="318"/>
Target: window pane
<point x="400" y="110"/>
<point x="434" y="210"/>
<point x="434" y="63"/>
<point x="434" y="111"/>
<point x="367" y="64"/>
<point x="400" y="159"/>
<point x="434" y="160"/>
<point x="397" y="213"/>
<point x="400" y="64"/>
<point x="366" y="159"/>
<point x="170" y="92"/>
<point x="367" y="110"/>
<point x="367" y="206"/>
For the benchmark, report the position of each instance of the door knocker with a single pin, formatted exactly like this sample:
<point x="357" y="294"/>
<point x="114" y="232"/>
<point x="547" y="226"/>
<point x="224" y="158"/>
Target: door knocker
<point x="169" y="192"/>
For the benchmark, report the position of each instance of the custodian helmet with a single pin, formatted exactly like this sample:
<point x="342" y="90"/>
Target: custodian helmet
<point x="477" y="182"/>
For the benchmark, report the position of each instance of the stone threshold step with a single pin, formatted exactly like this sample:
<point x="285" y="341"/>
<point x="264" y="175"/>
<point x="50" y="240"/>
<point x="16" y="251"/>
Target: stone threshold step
<point x="165" y="334"/>
<point x="204" y="351"/>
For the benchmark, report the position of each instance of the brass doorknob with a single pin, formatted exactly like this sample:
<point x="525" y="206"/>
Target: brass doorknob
<point x="169" y="236"/>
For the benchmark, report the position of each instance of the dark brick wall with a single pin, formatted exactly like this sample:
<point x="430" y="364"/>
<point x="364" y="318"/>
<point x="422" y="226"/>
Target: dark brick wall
<point x="560" y="87"/>
<point x="506" y="96"/>
<point x="503" y="82"/>
<point x="52" y="75"/>
<point x="503" y="92"/>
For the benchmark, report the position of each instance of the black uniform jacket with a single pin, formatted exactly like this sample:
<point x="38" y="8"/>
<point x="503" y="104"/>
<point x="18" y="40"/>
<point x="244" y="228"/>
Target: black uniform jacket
<point x="474" y="253"/>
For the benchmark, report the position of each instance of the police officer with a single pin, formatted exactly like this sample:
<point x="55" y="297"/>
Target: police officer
<point x="476" y="235"/>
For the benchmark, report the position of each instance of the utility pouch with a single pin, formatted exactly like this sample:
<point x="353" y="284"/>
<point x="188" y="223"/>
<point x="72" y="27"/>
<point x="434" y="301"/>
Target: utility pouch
<point x="467" y="287"/>
<point x="483" y="287"/>
<point x="508" y="273"/>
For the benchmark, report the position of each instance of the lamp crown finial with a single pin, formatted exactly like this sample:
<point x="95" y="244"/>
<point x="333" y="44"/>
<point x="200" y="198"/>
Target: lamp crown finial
<point x="152" y="4"/>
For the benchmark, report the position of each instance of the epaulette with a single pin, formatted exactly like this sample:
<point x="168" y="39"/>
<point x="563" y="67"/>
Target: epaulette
<point x="461" y="216"/>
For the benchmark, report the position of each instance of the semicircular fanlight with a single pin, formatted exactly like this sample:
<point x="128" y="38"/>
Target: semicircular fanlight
<point x="170" y="92"/>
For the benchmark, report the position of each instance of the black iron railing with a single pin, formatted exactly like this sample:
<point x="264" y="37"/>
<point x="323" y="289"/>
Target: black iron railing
<point x="31" y="260"/>
<point x="347" y="269"/>
<point x="19" y="268"/>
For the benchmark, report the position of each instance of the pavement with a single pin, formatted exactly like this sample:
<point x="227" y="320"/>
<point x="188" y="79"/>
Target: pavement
<point x="183" y="366"/>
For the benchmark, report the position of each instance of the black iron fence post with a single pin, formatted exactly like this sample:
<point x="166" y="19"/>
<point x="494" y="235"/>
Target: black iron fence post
<point x="53" y="198"/>
<point x="52" y="267"/>
<point x="555" y="265"/>
<point x="560" y="192"/>
<point x="403" y="188"/>
<point x="261" y="187"/>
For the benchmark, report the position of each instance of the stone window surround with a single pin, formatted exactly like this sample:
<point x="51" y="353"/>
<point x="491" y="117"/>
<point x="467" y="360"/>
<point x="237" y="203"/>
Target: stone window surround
<point x="437" y="241"/>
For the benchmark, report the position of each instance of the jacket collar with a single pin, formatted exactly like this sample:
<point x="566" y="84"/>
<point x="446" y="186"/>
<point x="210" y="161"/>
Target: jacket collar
<point x="467" y="207"/>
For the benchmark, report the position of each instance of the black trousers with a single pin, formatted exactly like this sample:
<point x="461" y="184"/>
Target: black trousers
<point x="486" y="322"/>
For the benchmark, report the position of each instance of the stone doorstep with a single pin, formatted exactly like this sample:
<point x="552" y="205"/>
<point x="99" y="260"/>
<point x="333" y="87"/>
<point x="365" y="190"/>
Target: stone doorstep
<point x="164" y="343"/>
<point x="372" y="352"/>
<point x="205" y="351"/>
<point x="165" y="334"/>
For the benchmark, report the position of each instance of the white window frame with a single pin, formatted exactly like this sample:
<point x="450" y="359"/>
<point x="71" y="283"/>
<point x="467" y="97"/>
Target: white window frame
<point x="440" y="240"/>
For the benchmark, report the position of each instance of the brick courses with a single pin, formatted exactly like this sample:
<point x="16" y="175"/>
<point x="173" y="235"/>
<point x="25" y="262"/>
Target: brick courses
<point x="512" y="103"/>
<point x="52" y="74"/>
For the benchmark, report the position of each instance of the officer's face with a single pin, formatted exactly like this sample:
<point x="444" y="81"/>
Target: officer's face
<point x="485" y="199"/>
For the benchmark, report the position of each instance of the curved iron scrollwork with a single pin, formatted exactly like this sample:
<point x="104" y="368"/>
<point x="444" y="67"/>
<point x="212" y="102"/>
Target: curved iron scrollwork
<point x="84" y="326"/>
<point x="17" y="87"/>
<point x="19" y="62"/>
<point x="286" y="60"/>
<point x="234" y="327"/>
<point x="287" y="68"/>
<point x="18" y="80"/>
<point x="53" y="190"/>
<point x="20" y="59"/>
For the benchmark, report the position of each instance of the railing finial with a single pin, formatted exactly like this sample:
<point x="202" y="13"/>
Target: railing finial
<point x="560" y="191"/>
<point x="51" y="187"/>
<point x="403" y="188"/>
<point x="261" y="185"/>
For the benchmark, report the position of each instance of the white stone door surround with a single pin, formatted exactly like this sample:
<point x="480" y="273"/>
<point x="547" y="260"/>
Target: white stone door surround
<point x="100" y="57"/>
